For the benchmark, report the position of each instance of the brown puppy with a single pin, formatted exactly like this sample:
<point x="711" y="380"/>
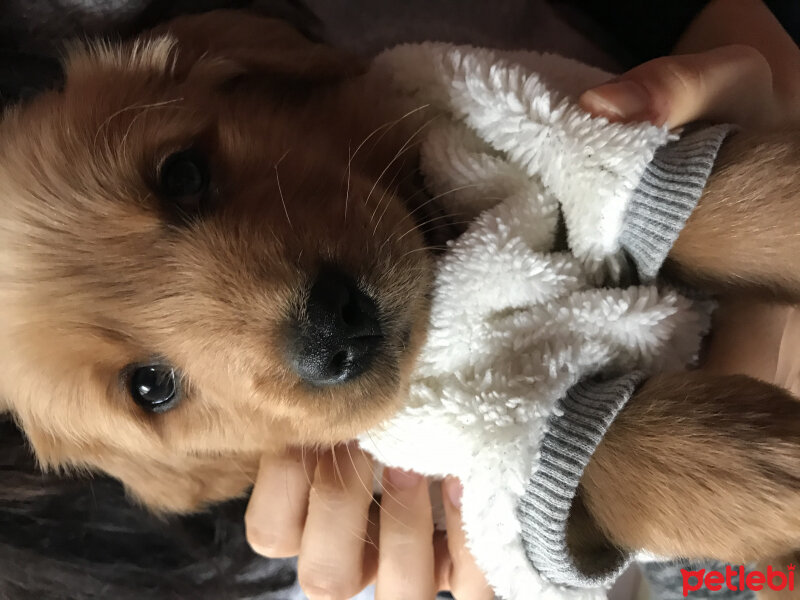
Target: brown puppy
<point x="184" y="222"/>
<point x="201" y="200"/>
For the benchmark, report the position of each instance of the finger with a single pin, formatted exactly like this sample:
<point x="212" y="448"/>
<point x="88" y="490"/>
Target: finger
<point x="442" y="562"/>
<point x="466" y="580"/>
<point x="370" y="564"/>
<point x="277" y="508"/>
<point x="728" y="84"/>
<point x="405" y="560"/>
<point x="332" y="547"/>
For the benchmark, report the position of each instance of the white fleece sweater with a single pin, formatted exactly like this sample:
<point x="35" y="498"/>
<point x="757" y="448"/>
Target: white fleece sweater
<point x="531" y="352"/>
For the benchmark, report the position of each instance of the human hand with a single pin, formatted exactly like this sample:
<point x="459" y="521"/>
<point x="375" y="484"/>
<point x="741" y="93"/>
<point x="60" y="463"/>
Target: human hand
<point x="320" y="507"/>
<point x="732" y="84"/>
<point x="734" y="64"/>
<point x="740" y="67"/>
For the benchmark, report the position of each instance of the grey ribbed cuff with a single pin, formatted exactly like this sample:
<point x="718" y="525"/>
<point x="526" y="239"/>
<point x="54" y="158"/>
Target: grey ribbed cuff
<point x="666" y="195"/>
<point x="575" y="428"/>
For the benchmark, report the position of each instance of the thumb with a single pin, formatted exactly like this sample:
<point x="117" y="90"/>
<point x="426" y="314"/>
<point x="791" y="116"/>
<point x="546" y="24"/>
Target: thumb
<point x="730" y="84"/>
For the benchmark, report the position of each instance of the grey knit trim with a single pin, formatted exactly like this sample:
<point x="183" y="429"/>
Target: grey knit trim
<point x="666" y="195"/>
<point x="576" y="427"/>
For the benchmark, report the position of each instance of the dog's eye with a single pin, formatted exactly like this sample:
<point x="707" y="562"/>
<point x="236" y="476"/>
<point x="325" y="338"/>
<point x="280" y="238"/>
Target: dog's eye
<point x="184" y="178"/>
<point x="154" y="387"/>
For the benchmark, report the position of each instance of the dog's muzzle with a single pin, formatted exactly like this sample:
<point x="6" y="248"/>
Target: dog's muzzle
<point x="338" y="334"/>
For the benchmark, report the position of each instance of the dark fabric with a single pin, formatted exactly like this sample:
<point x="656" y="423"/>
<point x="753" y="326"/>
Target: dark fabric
<point x="24" y="75"/>
<point x="33" y="32"/>
<point x="65" y="538"/>
<point x="788" y="13"/>
<point x="631" y="30"/>
<point x="635" y="32"/>
<point x="41" y="25"/>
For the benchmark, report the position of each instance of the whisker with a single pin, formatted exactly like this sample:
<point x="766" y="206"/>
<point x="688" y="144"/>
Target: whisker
<point x="386" y="492"/>
<point x="288" y="495"/>
<point x="305" y="465"/>
<point x="394" y="192"/>
<point x="423" y="249"/>
<point x="380" y="201"/>
<point x="388" y="204"/>
<point x="430" y="200"/>
<point x="238" y="465"/>
<point x="144" y="111"/>
<point x="376" y="446"/>
<point x="363" y="484"/>
<point x="363" y="538"/>
<point x="369" y="540"/>
<point x="387" y="127"/>
<point x="391" y="435"/>
<point x="337" y="471"/>
<point x="391" y="516"/>
<point x="437" y="197"/>
<point x="406" y="147"/>
<point x="397" y="187"/>
<point x="280" y="190"/>
<point x="421" y="226"/>
<point x="408" y="144"/>
<point x="349" y="172"/>
<point x="105" y="123"/>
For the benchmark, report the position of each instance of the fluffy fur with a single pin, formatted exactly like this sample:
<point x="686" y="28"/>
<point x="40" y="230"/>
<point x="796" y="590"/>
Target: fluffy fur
<point x="514" y="324"/>
<point x="100" y="273"/>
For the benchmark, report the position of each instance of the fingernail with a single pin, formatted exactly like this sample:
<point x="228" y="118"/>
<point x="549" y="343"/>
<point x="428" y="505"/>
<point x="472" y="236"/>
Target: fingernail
<point x="453" y="489"/>
<point x="402" y="480"/>
<point x="618" y="100"/>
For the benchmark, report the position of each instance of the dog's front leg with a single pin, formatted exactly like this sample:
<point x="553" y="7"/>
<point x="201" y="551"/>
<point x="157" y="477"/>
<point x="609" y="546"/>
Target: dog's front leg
<point x="745" y="231"/>
<point x="698" y="466"/>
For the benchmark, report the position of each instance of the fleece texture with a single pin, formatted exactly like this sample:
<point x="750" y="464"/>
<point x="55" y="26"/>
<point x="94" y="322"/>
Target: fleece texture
<point x="658" y="208"/>
<point x="527" y="339"/>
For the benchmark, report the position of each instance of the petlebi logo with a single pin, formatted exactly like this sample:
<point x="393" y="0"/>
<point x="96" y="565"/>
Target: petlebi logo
<point x="754" y="581"/>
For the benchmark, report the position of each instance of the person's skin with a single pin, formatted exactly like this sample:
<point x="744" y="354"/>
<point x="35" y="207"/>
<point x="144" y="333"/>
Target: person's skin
<point x="735" y="64"/>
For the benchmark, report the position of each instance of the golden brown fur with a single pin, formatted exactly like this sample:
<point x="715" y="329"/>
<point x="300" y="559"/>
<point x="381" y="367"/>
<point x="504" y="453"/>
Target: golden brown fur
<point x="678" y="446"/>
<point x="98" y="274"/>
<point x="743" y="236"/>
<point x="700" y="464"/>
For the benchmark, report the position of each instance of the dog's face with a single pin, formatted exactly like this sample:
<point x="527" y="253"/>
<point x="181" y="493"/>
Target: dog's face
<point x="199" y="261"/>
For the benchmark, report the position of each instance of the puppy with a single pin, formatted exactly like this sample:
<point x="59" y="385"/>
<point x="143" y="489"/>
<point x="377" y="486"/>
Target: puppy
<point x="206" y="255"/>
<point x="210" y="251"/>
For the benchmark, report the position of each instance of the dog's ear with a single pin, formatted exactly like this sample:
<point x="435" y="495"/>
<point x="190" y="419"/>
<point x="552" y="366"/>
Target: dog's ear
<point x="226" y="44"/>
<point x="162" y="480"/>
<point x="179" y="486"/>
<point x="173" y="484"/>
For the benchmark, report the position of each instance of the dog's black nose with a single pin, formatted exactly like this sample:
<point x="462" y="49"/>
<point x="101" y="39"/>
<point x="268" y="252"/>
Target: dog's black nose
<point x="337" y="337"/>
